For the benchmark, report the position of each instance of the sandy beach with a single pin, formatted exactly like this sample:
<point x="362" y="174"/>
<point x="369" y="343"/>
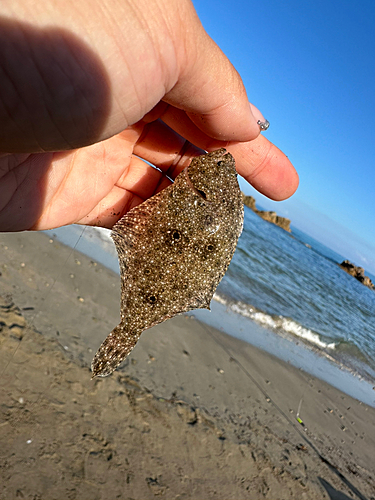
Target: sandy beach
<point x="192" y="414"/>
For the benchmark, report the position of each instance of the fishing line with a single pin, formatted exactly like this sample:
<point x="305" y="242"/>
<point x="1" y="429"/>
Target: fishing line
<point x="293" y="424"/>
<point x="248" y="374"/>
<point x="45" y="299"/>
<point x="313" y="447"/>
<point x="30" y="323"/>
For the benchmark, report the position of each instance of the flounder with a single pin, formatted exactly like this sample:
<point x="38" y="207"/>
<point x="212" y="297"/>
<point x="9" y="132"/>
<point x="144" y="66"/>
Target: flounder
<point x="173" y="251"/>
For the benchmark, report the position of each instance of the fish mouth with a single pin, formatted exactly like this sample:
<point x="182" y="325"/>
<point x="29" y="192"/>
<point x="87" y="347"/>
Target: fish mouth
<point x="198" y="192"/>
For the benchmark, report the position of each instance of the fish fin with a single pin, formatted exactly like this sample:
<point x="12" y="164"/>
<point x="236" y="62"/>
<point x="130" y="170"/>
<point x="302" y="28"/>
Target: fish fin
<point x="113" y="350"/>
<point x="126" y="231"/>
<point x="203" y="301"/>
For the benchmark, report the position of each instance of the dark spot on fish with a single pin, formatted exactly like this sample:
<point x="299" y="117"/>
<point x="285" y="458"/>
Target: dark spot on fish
<point x="176" y="240"/>
<point x="152" y="299"/>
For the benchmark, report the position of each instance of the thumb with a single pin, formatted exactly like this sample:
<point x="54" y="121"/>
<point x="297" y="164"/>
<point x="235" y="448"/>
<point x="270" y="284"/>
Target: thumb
<point x="212" y="93"/>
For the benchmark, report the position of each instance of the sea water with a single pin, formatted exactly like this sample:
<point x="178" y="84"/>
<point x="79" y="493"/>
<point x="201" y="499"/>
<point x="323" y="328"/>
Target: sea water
<point x="292" y="284"/>
<point x="291" y="287"/>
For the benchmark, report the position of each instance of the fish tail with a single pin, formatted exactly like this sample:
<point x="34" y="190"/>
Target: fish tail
<point x="113" y="350"/>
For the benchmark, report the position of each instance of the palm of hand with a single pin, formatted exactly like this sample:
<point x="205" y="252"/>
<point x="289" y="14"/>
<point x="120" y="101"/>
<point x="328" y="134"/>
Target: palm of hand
<point x="91" y="185"/>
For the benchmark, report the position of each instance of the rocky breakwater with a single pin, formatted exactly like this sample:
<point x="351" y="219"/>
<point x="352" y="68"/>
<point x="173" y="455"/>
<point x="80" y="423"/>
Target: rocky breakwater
<point x="357" y="272"/>
<point x="269" y="216"/>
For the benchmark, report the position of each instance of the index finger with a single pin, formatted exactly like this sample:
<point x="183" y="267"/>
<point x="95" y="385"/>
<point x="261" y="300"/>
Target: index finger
<point x="265" y="167"/>
<point x="259" y="161"/>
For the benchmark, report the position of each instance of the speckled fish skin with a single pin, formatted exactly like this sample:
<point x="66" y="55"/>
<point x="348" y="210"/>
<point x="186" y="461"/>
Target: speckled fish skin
<point x="173" y="250"/>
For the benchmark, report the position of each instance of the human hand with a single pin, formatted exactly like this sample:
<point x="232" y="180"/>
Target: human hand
<point x="109" y="83"/>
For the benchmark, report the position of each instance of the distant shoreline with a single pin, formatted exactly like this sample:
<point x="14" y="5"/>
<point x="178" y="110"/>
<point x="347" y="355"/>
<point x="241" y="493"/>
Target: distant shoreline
<point x="269" y="216"/>
<point x="358" y="273"/>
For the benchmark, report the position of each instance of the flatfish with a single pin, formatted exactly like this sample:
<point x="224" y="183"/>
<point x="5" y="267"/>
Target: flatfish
<point x="173" y="251"/>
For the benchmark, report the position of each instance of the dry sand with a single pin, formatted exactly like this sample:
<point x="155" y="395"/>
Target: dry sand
<point x="193" y="413"/>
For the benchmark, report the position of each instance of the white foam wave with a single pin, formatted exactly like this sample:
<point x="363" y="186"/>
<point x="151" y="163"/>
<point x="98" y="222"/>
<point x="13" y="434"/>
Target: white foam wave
<point x="103" y="233"/>
<point x="276" y="323"/>
<point x="291" y="326"/>
<point x="220" y="299"/>
<point x="265" y="319"/>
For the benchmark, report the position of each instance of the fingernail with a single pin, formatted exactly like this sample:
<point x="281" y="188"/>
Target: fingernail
<point x="262" y="123"/>
<point x="256" y="113"/>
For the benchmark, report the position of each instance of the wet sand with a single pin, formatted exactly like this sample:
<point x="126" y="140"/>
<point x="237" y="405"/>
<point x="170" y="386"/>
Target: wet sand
<point x="193" y="413"/>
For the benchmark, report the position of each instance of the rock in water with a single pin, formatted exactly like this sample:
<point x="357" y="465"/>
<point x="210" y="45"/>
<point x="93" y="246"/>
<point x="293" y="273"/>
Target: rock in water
<point x="173" y="250"/>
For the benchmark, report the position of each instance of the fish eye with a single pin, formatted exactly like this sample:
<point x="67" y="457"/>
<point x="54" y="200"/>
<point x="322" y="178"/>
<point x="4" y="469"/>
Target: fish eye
<point x="152" y="299"/>
<point x="210" y="247"/>
<point x="176" y="235"/>
<point x="208" y="220"/>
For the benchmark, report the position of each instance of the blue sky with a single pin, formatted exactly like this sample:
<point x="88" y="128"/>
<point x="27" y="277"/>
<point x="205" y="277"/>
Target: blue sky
<point x="310" y="68"/>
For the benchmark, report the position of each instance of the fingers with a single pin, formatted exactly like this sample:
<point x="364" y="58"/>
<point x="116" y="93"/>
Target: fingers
<point x="259" y="161"/>
<point x="160" y="145"/>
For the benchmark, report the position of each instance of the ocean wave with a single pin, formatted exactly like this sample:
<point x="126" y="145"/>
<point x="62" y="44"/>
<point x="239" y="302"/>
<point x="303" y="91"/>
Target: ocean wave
<point x="280" y="323"/>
